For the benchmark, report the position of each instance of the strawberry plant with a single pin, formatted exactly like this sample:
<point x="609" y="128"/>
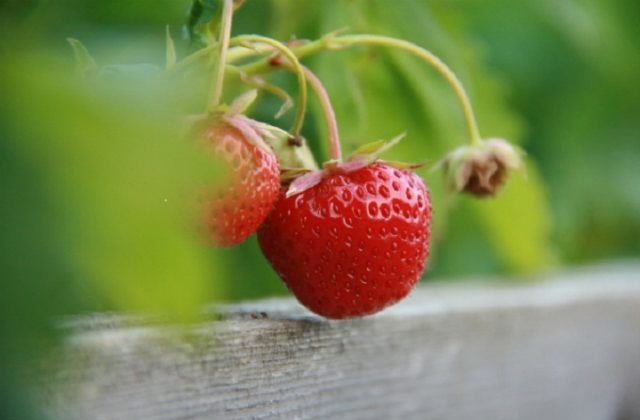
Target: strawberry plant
<point x="351" y="236"/>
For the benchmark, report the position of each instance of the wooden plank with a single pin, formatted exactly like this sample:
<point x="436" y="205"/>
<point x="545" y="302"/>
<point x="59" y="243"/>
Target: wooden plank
<point x="564" y="348"/>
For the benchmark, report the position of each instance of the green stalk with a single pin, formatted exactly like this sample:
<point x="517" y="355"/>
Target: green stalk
<point x="433" y="60"/>
<point x="338" y="42"/>
<point x="297" y="67"/>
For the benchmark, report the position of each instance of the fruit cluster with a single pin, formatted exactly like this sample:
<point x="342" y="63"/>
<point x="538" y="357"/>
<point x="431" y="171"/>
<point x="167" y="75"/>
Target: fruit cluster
<point x="350" y="238"/>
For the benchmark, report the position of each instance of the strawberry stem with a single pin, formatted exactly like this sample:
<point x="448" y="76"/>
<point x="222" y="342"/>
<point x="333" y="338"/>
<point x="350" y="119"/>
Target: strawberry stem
<point x="433" y="60"/>
<point x="333" y="42"/>
<point x="293" y="61"/>
<point x="335" y="153"/>
<point x="223" y="46"/>
<point x="335" y="150"/>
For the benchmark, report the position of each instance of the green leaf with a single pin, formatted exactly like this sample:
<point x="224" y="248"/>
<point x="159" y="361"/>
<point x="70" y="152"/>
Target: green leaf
<point x="369" y="148"/>
<point x="371" y="151"/>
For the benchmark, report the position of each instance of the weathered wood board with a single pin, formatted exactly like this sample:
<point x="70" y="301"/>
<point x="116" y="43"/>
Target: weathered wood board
<point x="564" y="347"/>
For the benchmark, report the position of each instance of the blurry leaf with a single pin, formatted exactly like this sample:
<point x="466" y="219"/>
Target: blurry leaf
<point x="122" y="181"/>
<point x="580" y="110"/>
<point x="518" y="223"/>
<point x="130" y="71"/>
<point x="592" y="30"/>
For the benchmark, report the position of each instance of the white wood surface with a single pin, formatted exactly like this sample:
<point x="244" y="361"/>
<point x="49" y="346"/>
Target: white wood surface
<point x="566" y="346"/>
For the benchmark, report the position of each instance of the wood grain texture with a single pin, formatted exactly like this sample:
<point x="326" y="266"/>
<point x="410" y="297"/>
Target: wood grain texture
<point x="564" y="348"/>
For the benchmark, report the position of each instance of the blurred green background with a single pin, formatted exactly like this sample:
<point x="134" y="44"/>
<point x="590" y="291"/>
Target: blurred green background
<point x="95" y="182"/>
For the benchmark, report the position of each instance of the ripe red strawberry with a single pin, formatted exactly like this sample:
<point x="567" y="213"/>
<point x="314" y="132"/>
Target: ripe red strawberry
<point x="354" y="243"/>
<point x="236" y="208"/>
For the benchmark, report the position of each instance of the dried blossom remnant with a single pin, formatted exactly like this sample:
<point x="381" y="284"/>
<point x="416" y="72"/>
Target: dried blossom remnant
<point x="481" y="170"/>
